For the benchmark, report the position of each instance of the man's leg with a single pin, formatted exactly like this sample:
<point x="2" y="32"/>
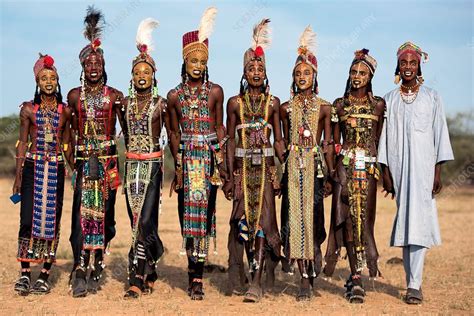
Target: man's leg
<point x="417" y="260"/>
<point x="236" y="261"/>
<point x="413" y="261"/>
<point x="254" y="293"/>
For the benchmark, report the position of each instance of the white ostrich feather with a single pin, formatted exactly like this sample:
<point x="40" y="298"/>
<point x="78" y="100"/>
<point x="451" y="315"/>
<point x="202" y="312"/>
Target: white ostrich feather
<point x="308" y="39"/>
<point x="261" y="35"/>
<point x="206" y="25"/>
<point x="144" y="32"/>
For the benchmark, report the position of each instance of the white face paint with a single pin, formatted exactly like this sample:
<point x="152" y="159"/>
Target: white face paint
<point x="360" y="75"/>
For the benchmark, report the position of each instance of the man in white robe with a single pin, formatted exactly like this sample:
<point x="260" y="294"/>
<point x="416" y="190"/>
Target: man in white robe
<point x="413" y="145"/>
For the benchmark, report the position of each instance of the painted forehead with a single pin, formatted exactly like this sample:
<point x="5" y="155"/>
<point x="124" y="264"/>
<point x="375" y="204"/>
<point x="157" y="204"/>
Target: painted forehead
<point x="360" y="66"/>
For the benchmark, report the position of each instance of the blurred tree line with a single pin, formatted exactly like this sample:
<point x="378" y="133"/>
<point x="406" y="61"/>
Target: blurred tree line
<point x="459" y="171"/>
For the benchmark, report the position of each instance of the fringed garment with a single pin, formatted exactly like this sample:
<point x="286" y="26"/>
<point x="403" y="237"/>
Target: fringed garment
<point x="255" y="177"/>
<point x="198" y="168"/>
<point x="143" y="169"/>
<point x="42" y="191"/>
<point x="96" y="154"/>
<point x="305" y="165"/>
<point x="354" y="191"/>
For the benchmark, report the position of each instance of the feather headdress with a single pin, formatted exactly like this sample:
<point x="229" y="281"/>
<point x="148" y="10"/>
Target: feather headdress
<point x="144" y="39"/>
<point x="206" y="26"/>
<point x="261" y="40"/>
<point x="144" y="42"/>
<point x="199" y="39"/>
<point x="93" y="27"/>
<point x="261" y="35"/>
<point x="307" y="47"/>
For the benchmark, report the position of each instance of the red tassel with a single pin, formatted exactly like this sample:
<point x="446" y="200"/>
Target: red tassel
<point x="143" y="48"/>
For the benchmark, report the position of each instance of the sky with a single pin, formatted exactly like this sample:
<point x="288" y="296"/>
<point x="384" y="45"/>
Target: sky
<point x="444" y="29"/>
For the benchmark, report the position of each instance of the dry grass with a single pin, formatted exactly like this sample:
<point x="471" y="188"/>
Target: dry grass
<point x="447" y="284"/>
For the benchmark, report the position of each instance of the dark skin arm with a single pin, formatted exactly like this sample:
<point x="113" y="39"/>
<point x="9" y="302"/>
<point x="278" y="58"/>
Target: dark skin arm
<point x="25" y="123"/>
<point x="279" y="143"/>
<point x="329" y="149"/>
<point x="217" y="95"/>
<point x="379" y="111"/>
<point x="119" y="104"/>
<point x="72" y="98"/>
<point x="67" y="138"/>
<point x="437" y="185"/>
<point x="387" y="179"/>
<point x="166" y="117"/>
<point x="387" y="182"/>
<point x="284" y="122"/>
<point x="232" y="115"/>
<point x="174" y="134"/>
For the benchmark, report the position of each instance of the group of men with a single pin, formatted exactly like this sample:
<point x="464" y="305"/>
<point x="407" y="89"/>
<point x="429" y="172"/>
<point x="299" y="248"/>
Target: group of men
<point x="324" y="149"/>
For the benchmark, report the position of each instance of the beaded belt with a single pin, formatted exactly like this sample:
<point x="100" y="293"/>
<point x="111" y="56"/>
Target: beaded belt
<point x="314" y="149"/>
<point x="351" y="155"/>
<point x="363" y="116"/>
<point x="36" y="156"/>
<point x="147" y="156"/>
<point x="265" y="152"/>
<point x="100" y="157"/>
<point x="199" y="138"/>
<point x="102" y="145"/>
<point x="261" y="123"/>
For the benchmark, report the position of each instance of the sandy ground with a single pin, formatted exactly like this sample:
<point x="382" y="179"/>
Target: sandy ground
<point x="448" y="275"/>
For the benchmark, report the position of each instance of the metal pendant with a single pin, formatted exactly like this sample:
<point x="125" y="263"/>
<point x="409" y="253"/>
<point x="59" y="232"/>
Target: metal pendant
<point x="48" y="137"/>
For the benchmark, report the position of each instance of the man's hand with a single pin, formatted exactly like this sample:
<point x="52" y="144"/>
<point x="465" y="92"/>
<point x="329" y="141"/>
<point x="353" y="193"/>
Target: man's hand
<point x="388" y="184"/>
<point x="17" y="185"/>
<point x="227" y="188"/>
<point x="437" y="185"/>
<point x="327" y="188"/>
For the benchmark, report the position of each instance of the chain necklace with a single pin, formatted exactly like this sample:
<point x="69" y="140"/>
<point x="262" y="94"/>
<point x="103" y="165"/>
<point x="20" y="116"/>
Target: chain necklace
<point x="48" y="105"/>
<point x="409" y="97"/>
<point x="410" y="89"/>
<point x="355" y="100"/>
<point x="140" y="113"/>
<point x="251" y="108"/>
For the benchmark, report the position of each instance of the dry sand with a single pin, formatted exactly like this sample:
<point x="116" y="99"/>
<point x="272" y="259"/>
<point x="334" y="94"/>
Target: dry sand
<point x="448" y="275"/>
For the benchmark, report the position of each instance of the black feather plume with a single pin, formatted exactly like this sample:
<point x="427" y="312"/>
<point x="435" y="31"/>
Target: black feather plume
<point x="94" y="24"/>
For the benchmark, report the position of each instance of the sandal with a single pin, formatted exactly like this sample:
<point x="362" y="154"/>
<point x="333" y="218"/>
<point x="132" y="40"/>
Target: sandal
<point x="357" y="295"/>
<point x="93" y="283"/>
<point x="40" y="287"/>
<point x="78" y="285"/>
<point x="148" y="287"/>
<point x="196" y="292"/>
<point x="414" y="297"/>
<point x="22" y="286"/>
<point x="133" y="292"/>
<point x="304" y="294"/>
<point x="354" y="293"/>
<point x="254" y="294"/>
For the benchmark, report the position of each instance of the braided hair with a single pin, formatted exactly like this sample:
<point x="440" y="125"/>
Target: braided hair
<point x="184" y="74"/>
<point x="244" y="85"/>
<point x="57" y="94"/>
<point x="314" y="88"/>
<point x="347" y="91"/>
<point x="419" y="74"/>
